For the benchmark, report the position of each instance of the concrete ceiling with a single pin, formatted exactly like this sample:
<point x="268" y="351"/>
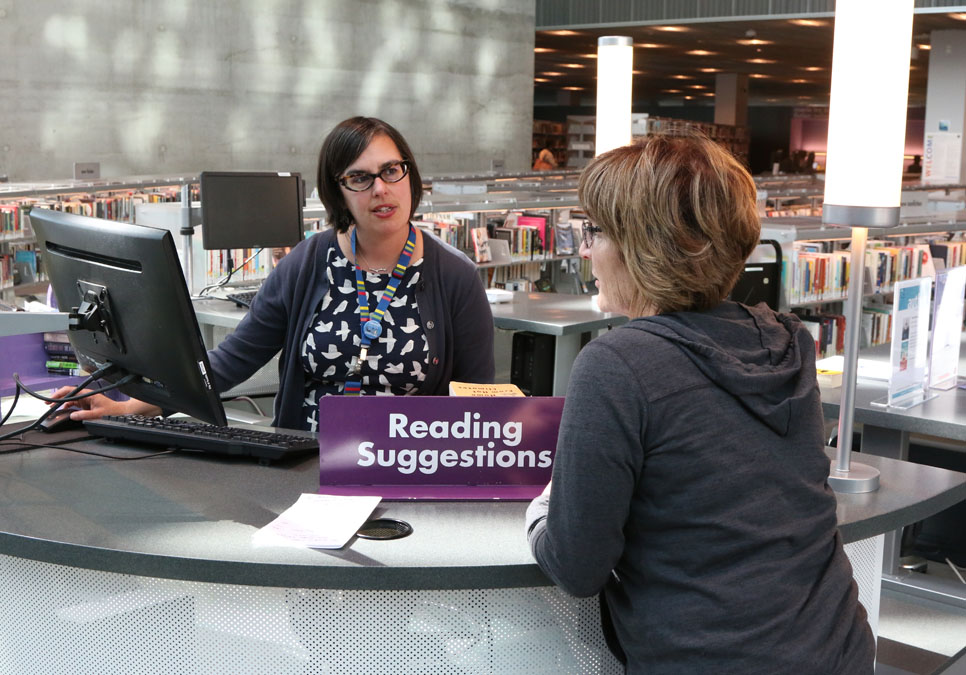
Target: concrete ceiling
<point x="788" y="61"/>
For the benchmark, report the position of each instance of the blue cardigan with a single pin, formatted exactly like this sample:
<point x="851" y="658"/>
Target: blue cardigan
<point x="453" y="311"/>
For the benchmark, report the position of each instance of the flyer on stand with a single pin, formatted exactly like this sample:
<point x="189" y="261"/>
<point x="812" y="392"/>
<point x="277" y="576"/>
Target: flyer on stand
<point x="910" y="333"/>
<point x="947" y="328"/>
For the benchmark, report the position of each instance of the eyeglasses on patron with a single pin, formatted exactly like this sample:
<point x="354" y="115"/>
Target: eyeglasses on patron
<point x="590" y="232"/>
<point x="360" y="181"/>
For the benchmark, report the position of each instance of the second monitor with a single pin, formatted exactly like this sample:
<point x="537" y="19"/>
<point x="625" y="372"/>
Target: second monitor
<point x="251" y="209"/>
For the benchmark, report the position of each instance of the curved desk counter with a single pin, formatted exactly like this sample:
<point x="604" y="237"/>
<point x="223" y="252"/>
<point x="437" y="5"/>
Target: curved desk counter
<point x="149" y="566"/>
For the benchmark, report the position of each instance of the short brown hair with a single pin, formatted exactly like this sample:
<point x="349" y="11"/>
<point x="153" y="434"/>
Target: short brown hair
<point x="682" y="213"/>
<point x="347" y="140"/>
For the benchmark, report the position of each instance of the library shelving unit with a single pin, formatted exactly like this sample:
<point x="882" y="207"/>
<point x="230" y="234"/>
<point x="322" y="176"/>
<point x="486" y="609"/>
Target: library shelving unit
<point x="114" y="199"/>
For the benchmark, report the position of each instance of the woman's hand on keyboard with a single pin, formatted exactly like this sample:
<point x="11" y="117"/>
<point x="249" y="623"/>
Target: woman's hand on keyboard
<point x="100" y="405"/>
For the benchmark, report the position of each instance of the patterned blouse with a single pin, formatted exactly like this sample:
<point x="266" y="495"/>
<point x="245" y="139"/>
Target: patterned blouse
<point x="396" y="360"/>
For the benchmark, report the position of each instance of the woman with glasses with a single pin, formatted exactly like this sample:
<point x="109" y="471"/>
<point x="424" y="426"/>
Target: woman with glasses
<point x="689" y="483"/>
<point x="372" y="305"/>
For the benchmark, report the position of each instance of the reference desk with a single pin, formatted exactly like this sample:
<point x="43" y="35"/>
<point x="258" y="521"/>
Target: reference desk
<point x="149" y="566"/>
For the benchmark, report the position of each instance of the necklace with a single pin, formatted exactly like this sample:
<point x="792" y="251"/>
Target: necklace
<point x="362" y="259"/>
<point x="370" y="268"/>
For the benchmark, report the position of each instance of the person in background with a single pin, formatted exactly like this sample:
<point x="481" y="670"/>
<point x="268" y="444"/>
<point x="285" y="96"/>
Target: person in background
<point x="916" y="165"/>
<point x="689" y="485"/>
<point x="422" y="321"/>
<point x="545" y="161"/>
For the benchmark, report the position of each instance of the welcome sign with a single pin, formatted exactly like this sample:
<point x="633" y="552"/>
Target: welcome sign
<point x="437" y="447"/>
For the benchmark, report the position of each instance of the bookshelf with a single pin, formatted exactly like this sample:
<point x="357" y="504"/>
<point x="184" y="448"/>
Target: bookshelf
<point x="113" y="199"/>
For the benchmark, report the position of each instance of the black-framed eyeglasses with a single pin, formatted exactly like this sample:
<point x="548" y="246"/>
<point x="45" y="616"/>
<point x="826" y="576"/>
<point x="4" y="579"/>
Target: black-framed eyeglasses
<point x="360" y="181"/>
<point x="590" y="231"/>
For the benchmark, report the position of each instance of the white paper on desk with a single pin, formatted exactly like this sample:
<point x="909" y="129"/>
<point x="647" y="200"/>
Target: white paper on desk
<point x="867" y="368"/>
<point x="318" y="521"/>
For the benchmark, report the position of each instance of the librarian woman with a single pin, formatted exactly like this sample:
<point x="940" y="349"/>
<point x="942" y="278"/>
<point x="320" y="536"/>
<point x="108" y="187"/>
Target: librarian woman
<point x="371" y="305"/>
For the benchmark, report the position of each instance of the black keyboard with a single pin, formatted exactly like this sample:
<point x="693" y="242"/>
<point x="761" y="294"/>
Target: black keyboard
<point x="242" y="298"/>
<point x="264" y="443"/>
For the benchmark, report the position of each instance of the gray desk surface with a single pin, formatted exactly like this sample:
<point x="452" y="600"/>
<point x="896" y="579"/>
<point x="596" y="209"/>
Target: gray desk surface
<point x="553" y="314"/>
<point x="943" y="416"/>
<point x="192" y="517"/>
<point x="549" y="313"/>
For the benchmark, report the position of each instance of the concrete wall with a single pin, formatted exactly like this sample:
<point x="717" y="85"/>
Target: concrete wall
<point x="174" y="86"/>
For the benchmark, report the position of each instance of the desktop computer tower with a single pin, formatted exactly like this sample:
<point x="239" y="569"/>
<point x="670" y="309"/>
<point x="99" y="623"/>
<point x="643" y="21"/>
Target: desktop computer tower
<point x="531" y="366"/>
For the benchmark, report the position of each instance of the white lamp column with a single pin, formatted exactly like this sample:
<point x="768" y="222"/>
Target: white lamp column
<point x="863" y="178"/>
<point x="615" y="66"/>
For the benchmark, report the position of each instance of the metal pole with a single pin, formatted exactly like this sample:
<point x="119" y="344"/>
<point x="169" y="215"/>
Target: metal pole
<point x="853" y="327"/>
<point x="187" y="230"/>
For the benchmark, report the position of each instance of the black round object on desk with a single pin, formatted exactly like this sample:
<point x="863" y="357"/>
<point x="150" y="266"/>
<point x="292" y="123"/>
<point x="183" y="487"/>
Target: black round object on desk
<point x="384" y="528"/>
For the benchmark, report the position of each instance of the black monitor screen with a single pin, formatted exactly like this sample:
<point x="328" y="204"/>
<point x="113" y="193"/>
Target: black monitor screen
<point x="127" y="282"/>
<point x="251" y="210"/>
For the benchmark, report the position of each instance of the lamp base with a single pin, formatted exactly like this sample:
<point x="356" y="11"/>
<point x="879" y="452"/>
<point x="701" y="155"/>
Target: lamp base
<point x="859" y="478"/>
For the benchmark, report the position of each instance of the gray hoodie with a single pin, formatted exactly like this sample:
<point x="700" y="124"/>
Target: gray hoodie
<point x="689" y="485"/>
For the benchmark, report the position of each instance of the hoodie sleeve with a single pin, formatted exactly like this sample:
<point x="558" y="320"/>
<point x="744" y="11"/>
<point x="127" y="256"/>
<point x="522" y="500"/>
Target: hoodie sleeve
<point x="577" y="538"/>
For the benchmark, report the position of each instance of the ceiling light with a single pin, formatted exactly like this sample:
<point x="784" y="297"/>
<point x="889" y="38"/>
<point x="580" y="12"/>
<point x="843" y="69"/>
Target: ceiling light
<point x="540" y="79"/>
<point x="813" y="69"/>
<point x="671" y="29"/>
<point x="761" y="60"/>
<point x="682" y="77"/>
<point x="588" y="56"/>
<point x="697" y="86"/>
<point x="800" y="81"/>
<point x="700" y="52"/>
<point x="925" y="47"/>
<point x="754" y="41"/>
<point x="648" y="45"/>
<point x="562" y="32"/>
<point x="806" y="22"/>
<point x="960" y="16"/>
<point x="543" y="50"/>
<point x="571" y="65"/>
<point x="673" y="91"/>
<point x="710" y="70"/>
<point x="640" y="72"/>
<point x="573" y="88"/>
<point x="758" y="76"/>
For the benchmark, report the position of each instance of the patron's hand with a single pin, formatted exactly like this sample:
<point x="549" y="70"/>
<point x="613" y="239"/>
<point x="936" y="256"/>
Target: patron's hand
<point x="99" y="405"/>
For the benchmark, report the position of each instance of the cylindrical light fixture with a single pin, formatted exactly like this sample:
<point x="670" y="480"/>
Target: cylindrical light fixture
<point x="867" y="111"/>
<point x="863" y="176"/>
<point x="615" y="66"/>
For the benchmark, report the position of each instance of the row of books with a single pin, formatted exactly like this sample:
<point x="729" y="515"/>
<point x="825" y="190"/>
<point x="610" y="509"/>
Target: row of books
<point x="828" y="330"/>
<point x="220" y="262"/>
<point x="813" y="275"/>
<point x="61" y="359"/>
<point x="952" y="253"/>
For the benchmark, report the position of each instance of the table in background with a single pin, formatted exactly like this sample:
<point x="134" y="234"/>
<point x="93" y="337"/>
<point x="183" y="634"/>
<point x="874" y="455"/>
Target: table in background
<point x="571" y="319"/>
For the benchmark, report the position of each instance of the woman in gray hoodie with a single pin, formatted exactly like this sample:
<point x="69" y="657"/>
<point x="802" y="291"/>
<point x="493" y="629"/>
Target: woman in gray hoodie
<point x="689" y="485"/>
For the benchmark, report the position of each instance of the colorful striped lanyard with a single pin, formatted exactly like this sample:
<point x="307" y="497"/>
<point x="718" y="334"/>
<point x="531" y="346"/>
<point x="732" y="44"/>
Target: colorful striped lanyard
<point x="371" y="323"/>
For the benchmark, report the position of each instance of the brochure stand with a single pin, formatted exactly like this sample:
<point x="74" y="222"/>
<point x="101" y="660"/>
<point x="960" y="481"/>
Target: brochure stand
<point x="910" y="337"/>
<point x="947" y="328"/>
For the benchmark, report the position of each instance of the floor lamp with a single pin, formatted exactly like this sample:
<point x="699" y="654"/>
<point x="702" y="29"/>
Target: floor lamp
<point x="863" y="177"/>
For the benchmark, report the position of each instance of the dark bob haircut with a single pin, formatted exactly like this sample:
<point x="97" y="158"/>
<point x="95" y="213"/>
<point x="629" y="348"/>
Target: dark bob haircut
<point x="342" y="147"/>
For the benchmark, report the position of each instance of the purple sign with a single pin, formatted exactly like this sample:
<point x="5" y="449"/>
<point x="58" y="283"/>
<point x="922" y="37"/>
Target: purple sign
<point x="437" y="447"/>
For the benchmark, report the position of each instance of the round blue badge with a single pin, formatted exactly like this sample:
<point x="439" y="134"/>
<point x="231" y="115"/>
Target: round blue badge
<point x="372" y="329"/>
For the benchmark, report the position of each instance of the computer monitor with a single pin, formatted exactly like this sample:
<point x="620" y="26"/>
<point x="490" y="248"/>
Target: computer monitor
<point x="251" y="209"/>
<point x="125" y="284"/>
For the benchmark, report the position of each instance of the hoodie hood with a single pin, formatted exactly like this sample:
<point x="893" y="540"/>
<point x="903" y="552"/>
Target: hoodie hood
<point x="763" y="359"/>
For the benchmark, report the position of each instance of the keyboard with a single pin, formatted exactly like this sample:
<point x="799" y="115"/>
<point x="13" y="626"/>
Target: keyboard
<point x="242" y="298"/>
<point x="266" y="444"/>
